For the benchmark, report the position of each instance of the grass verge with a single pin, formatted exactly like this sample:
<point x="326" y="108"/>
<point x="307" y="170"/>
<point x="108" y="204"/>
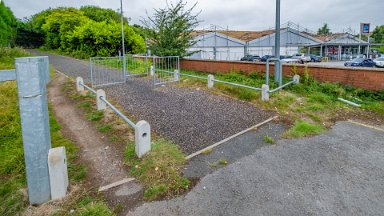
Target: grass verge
<point x="13" y="196"/>
<point x="309" y="101"/>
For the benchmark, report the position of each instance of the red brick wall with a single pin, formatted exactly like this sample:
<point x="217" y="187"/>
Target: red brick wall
<point x="371" y="79"/>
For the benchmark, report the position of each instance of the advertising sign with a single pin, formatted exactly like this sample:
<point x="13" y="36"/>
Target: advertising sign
<point x="365" y="27"/>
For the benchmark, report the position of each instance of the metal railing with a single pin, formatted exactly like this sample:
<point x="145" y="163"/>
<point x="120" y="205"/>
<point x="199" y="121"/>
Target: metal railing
<point x="165" y="69"/>
<point x="142" y="128"/>
<point x="127" y="120"/>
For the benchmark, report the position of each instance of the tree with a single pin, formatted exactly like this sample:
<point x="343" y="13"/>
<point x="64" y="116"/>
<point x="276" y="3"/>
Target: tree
<point x="7" y="26"/>
<point x="378" y="34"/>
<point x="170" y="30"/>
<point x="324" y="30"/>
<point x="100" y="14"/>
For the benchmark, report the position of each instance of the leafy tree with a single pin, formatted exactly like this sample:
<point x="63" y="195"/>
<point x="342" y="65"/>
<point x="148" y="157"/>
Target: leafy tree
<point x="170" y="30"/>
<point x="378" y="34"/>
<point x="59" y="23"/>
<point x="324" y="30"/>
<point x="100" y="14"/>
<point x="103" y="39"/>
<point x="7" y="26"/>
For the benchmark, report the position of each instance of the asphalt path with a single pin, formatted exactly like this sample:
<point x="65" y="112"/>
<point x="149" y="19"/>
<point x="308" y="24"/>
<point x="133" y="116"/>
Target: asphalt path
<point x="340" y="172"/>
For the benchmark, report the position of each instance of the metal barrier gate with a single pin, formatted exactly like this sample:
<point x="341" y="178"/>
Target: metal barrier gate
<point x="106" y="71"/>
<point x="165" y="70"/>
<point x="110" y="70"/>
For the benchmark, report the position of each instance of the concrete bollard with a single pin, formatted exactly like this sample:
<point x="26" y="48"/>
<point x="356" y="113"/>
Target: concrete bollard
<point x="101" y="105"/>
<point x="58" y="173"/>
<point x="79" y="88"/>
<point x="176" y="74"/>
<point x="152" y="72"/>
<point x="265" y="92"/>
<point x="211" y="81"/>
<point x="296" y="78"/>
<point x="142" y="138"/>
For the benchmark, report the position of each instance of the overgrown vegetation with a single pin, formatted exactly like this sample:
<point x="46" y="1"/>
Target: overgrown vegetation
<point x="88" y="31"/>
<point x="12" y="168"/>
<point x="159" y="170"/>
<point x="7" y="26"/>
<point x="307" y="104"/>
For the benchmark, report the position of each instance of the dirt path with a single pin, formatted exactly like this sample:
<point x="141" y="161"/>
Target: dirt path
<point x="103" y="160"/>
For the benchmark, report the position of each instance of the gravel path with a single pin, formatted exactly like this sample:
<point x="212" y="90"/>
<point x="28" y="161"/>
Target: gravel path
<point x="192" y="118"/>
<point x="337" y="173"/>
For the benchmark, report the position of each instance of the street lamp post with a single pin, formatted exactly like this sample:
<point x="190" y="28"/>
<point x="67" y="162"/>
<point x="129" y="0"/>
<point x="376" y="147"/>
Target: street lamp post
<point x="277" y="42"/>
<point x="122" y="40"/>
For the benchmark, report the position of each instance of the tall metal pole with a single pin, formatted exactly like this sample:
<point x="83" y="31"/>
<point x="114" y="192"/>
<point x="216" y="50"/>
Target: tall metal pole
<point x="122" y="40"/>
<point x="277" y="42"/>
<point x="359" y="50"/>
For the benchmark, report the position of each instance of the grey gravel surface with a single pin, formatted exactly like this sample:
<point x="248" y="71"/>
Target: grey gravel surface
<point x="337" y="173"/>
<point x="191" y="118"/>
<point x="232" y="150"/>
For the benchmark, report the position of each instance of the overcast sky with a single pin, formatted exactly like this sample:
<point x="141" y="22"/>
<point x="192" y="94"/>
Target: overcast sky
<point x="238" y="14"/>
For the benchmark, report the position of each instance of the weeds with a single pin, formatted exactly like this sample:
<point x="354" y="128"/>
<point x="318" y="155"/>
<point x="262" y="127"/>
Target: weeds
<point x="269" y="139"/>
<point x="302" y="128"/>
<point x="159" y="169"/>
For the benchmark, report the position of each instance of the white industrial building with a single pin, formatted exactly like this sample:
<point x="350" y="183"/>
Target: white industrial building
<point x="233" y="45"/>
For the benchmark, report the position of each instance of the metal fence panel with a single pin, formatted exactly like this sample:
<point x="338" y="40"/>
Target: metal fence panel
<point x="106" y="71"/>
<point x="166" y="70"/>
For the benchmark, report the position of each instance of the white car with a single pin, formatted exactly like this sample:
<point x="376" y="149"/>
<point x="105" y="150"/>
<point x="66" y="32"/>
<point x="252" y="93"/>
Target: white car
<point x="379" y="62"/>
<point x="302" y="57"/>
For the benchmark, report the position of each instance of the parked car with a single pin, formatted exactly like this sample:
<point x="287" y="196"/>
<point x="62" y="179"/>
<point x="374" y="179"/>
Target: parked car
<point x="302" y="57"/>
<point x="266" y="57"/>
<point x="360" y="62"/>
<point x="251" y="58"/>
<point x="315" y="58"/>
<point x="379" y="62"/>
<point x="288" y="59"/>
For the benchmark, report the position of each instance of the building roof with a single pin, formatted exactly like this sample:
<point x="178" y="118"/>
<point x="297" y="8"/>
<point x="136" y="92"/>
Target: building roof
<point x="240" y="35"/>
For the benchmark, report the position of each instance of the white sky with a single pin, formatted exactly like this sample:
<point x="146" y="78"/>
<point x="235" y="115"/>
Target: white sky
<point x="238" y="14"/>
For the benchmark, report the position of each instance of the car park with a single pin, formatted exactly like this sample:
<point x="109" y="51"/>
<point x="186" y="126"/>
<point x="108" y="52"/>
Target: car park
<point x="288" y="59"/>
<point x="360" y="62"/>
<point x="379" y="62"/>
<point x="251" y="58"/>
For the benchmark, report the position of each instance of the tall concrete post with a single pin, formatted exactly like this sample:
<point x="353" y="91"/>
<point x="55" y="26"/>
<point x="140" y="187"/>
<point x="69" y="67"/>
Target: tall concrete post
<point x="277" y="43"/>
<point x="33" y="104"/>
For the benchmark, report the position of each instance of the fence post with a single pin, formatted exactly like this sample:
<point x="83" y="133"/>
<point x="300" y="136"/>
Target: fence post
<point x="46" y="68"/>
<point x="265" y="92"/>
<point x="79" y="87"/>
<point x="142" y="138"/>
<point x="296" y="79"/>
<point x="58" y="173"/>
<point x="101" y="105"/>
<point x="152" y="70"/>
<point x="211" y="81"/>
<point x="33" y="104"/>
<point x="176" y="74"/>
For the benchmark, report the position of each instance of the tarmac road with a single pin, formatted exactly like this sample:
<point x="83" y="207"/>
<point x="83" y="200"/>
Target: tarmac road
<point x="337" y="173"/>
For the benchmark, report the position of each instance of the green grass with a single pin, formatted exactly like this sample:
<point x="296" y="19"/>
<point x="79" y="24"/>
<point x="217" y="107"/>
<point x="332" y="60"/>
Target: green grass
<point x="302" y="128"/>
<point x="12" y="167"/>
<point x="268" y="139"/>
<point x="159" y="170"/>
<point x="95" y="115"/>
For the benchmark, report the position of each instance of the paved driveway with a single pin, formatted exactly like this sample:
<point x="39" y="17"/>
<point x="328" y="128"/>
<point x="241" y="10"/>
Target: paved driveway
<point x="337" y="173"/>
